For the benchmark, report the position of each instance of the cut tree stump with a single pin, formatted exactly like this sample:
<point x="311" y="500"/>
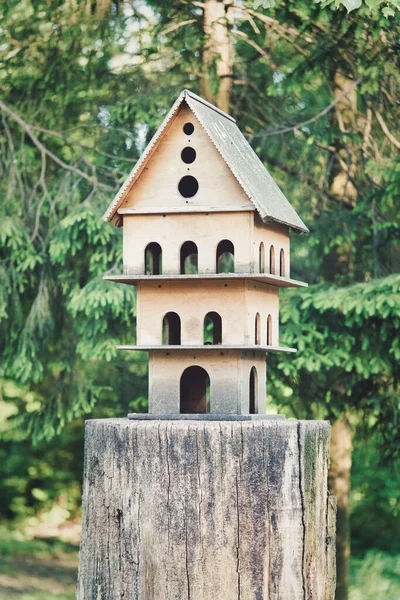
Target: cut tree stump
<point x="176" y="510"/>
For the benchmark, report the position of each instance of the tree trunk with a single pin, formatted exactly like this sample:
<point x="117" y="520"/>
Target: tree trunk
<point x="177" y="510"/>
<point x="345" y="115"/>
<point x="342" y="186"/>
<point x="339" y="485"/>
<point x="218" y="52"/>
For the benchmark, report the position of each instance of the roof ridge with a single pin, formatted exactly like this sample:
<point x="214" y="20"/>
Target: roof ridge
<point x="208" y="104"/>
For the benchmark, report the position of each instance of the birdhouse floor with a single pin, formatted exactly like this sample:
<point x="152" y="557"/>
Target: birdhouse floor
<point x="208" y="347"/>
<point x="275" y="280"/>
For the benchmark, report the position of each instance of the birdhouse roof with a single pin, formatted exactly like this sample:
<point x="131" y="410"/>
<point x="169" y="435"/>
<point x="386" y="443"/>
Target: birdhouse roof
<point x="246" y="167"/>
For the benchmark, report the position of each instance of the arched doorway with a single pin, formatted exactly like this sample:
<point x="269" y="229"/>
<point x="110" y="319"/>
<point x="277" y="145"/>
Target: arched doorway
<point x="282" y="263"/>
<point x="189" y="259"/>
<point x="194" y="391"/>
<point x="253" y="399"/>
<point x="225" y="257"/>
<point x="272" y="260"/>
<point x="153" y="259"/>
<point x="212" y="329"/>
<point x="261" y="258"/>
<point x="257" y="327"/>
<point x="171" y="329"/>
<point x="269" y="330"/>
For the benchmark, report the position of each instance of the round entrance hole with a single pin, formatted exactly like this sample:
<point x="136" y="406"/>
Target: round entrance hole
<point x="188" y="186"/>
<point x="188" y="128"/>
<point x="188" y="155"/>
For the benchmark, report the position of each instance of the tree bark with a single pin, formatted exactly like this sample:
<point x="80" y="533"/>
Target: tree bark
<point x="177" y="510"/>
<point x="339" y="485"/>
<point x="342" y="187"/>
<point x="345" y="115"/>
<point x="218" y="52"/>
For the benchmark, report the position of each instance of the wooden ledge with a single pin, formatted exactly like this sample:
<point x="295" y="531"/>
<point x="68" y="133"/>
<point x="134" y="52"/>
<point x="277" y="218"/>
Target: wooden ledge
<point x="174" y="210"/>
<point x="207" y="348"/>
<point x="203" y="417"/>
<point x="274" y="280"/>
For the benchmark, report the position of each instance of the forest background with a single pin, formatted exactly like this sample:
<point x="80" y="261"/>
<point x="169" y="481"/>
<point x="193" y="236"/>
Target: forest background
<point x="83" y="87"/>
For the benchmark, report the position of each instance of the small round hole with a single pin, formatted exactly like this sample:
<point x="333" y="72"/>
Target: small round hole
<point x="188" y="128"/>
<point x="188" y="155"/>
<point x="188" y="186"/>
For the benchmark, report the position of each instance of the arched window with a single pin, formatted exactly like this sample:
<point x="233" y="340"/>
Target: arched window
<point x="272" y="260"/>
<point x="195" y="391"/>
<point x="257" y="337"/>
<point x="253" y="399"/>
<point x="225" y="257"/>
<point x="189" y="254"/>
<point x="269" y="330"/>
<point x="153" y="259"/>
<point x="171" y="329"/>
<point x="282" y="263"/>
<point x="261" y="258"/>
<point x="212" y="328"/>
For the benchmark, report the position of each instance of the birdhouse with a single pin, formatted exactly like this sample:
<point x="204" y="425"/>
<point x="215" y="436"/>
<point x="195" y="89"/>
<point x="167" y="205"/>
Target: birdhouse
<point x="206" y="243"/>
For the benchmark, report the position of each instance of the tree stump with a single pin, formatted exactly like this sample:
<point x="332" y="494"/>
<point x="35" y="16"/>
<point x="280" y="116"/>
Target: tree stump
<point x="200" y="510"/>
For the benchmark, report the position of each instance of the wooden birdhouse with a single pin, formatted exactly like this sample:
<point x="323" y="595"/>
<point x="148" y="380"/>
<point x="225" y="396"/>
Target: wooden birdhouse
<point x="206" y="242"/>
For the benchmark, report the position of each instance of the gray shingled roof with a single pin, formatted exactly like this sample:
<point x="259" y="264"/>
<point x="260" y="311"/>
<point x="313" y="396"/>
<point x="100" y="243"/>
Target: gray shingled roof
<point x="243" y="162"/>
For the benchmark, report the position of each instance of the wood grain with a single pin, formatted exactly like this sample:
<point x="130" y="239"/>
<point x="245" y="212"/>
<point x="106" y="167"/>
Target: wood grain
<point x="186" y="510"/>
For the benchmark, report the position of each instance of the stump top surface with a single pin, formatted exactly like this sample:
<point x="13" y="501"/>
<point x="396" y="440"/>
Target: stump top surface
<point x="185" y="424"/>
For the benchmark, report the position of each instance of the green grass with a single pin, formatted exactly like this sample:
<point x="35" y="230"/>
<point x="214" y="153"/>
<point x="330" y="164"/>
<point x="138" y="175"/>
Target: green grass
<point x="46" y="569"/>
<point x="375" y="576"/>
<point x="36" y="569"/>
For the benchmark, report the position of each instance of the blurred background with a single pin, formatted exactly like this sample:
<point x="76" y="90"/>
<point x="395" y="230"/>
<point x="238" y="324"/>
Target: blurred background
<point x="84" y="84"/>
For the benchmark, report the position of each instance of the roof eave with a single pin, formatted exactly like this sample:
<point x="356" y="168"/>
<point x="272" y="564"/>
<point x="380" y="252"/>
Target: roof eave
<point x="301" y="228"/>
<point x="111" y="211"/>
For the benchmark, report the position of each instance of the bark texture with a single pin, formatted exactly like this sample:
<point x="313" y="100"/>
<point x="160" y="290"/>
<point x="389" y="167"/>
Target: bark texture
<point x="345" y="118"/>
<point x="177" y="510"/>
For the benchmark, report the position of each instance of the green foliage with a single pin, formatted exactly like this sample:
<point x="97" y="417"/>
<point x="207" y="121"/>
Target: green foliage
<point x="374" y="576"/>
<point x="387" y="7"/>
<point x="348" y="359"/>
<point x="375" y="491"/>
<point x="31" y="479"/>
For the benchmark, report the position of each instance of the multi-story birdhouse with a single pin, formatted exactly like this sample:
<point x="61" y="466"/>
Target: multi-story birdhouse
<point x="206" y="242"/>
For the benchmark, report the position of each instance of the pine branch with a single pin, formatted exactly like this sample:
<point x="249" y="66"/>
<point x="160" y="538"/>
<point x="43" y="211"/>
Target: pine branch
<point x="45" y="151"/>
<point x="326" y="110"/>
<point x="386" y="131"/>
